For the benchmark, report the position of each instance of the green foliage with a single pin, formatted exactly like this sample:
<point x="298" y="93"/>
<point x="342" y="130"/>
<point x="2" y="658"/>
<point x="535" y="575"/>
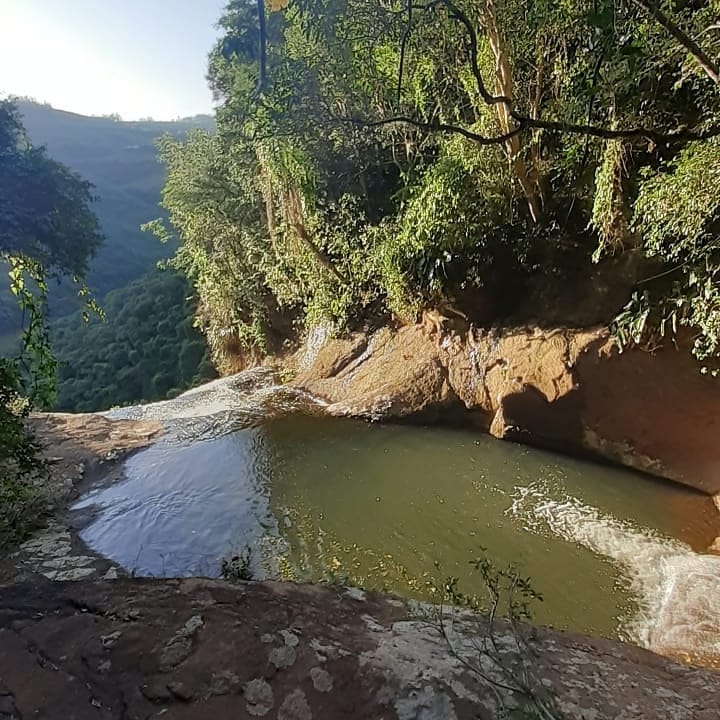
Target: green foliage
<point x="46" y="228"/>
<point x="39" y="199"/>
<point x="369" y="173"/>
<point x="20" y="497"/>
<point x="450" y="236"/>
<point x="145" y="348"/>
<point x="503" y="652"/>
<point x="608" y="217"/>
<point x="677" y="212"/>
<point x="120" y="160"/>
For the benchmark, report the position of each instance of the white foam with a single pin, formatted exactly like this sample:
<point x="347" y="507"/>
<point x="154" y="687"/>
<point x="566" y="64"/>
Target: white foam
<point x="678" y="590"/>
<point x="220" y="406"/>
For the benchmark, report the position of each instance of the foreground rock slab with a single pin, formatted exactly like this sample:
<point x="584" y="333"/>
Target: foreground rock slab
<point x="202" y="649"/>
<point x="78" y="449"/>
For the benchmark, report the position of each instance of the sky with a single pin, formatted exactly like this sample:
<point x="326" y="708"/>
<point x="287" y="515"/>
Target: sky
<point x="138" y="58"/>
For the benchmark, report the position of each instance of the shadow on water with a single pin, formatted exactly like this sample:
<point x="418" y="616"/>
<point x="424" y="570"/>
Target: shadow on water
<point x="318" y="498"/>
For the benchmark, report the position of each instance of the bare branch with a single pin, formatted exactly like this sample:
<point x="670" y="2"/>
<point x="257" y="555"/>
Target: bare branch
<point x="525" y="123"/>
<point x="710" y="68"/>
<point x="403" y="48"/>
<point x="434" y="127"/>
<point x="656" y="136"/>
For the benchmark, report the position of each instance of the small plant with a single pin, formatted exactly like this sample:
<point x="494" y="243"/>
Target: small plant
<point x="21" y="468"/>
<point x="500" y="650"/>
<point x="332" y="576"/>
<point x="239" y="567"/>
<point x="286" y="375"/>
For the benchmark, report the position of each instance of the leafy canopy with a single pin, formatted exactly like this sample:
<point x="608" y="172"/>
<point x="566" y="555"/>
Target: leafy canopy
<point x="373" y="158"/>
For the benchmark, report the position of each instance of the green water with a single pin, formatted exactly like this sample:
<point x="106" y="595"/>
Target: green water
<point x="380" y="506"/>
<point x="383" y="504"/>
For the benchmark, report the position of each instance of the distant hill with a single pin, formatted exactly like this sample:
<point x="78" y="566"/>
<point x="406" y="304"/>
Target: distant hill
<point x="119" y="158"/>
<point x="147" y="348"/>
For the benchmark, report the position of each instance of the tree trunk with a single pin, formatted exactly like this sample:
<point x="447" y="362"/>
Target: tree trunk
<point x="504" y="86"/>
<point x="294" y="217"/>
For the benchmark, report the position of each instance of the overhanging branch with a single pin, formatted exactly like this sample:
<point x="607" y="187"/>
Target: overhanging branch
<point x="710" y="68"/>
<point x="433" y="127"/>
<point x="524" y="122"/>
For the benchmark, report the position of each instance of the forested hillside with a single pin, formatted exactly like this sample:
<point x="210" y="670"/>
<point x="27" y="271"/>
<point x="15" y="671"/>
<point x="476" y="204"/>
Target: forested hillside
<point x="504" y="161"/>
<point x="120" y="160"/>
<point x="146" y="349"/>
<point x="146" y="345"/>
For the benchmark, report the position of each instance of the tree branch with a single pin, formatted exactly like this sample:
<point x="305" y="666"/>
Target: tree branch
<point x="711" y="68"/>
<point x="403" y="47"/>
<point x="433" y="127"/>
<point x="525" y="122"/>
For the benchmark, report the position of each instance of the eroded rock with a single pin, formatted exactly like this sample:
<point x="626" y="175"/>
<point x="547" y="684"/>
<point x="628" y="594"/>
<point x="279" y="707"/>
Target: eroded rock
<point x="402" y="667"/>
<point x="569" y="390"/>
<point x="259" y="697"/>
<point x="321" y="679"/>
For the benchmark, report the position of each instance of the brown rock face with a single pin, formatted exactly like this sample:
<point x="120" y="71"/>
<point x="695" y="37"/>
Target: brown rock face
<point x="198" y="649"/>
<point x="569" y="390"/>
<point x="389" y="374"/>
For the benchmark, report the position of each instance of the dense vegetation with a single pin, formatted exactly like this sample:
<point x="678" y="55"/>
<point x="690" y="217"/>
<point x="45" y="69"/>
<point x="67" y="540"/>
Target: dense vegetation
<point x="502" y="157"/>
<point x="47" y="230"/>
<point x="146" y="348"/>
<point x="120" y="160"/>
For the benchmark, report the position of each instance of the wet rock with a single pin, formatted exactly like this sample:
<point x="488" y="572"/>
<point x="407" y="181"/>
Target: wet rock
<point x="569" y="390"/>
<point x="68" y="562"/>
<point x="73" y="575"/>
<point x="295" y="707"/>
<point x="74" y="445"/>
<point x="355" y="593"/>
<point x="401" y="668"/>
<point x="259" y="697"/>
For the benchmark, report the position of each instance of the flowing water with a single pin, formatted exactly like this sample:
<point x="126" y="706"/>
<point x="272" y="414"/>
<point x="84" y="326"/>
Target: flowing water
<point x="246" y="464"/>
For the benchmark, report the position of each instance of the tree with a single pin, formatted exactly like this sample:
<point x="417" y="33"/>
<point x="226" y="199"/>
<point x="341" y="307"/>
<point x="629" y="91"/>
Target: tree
<point x="44" y="207"/>
<point x="46" y="229"/>
<point x="376" y="158"/>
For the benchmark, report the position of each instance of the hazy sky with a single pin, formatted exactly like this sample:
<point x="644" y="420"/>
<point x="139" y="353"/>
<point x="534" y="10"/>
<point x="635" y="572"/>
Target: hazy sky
<point x="138" y="58"/>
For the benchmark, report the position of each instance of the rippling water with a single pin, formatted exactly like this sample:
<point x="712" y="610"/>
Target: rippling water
<point x="246" y="463"/>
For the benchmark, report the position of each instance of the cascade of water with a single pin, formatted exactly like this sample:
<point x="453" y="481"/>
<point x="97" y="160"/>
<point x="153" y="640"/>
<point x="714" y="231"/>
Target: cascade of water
<point x="221" y="406"/>
<point x="678" y="589"/>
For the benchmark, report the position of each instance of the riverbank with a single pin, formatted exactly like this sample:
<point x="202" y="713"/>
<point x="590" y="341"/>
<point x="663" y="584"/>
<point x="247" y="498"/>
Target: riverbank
<point x="199" y="648"/>
<point x="567" y="390"/>
<point x="150" y="615"/>
<point x="78" y="449"/>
